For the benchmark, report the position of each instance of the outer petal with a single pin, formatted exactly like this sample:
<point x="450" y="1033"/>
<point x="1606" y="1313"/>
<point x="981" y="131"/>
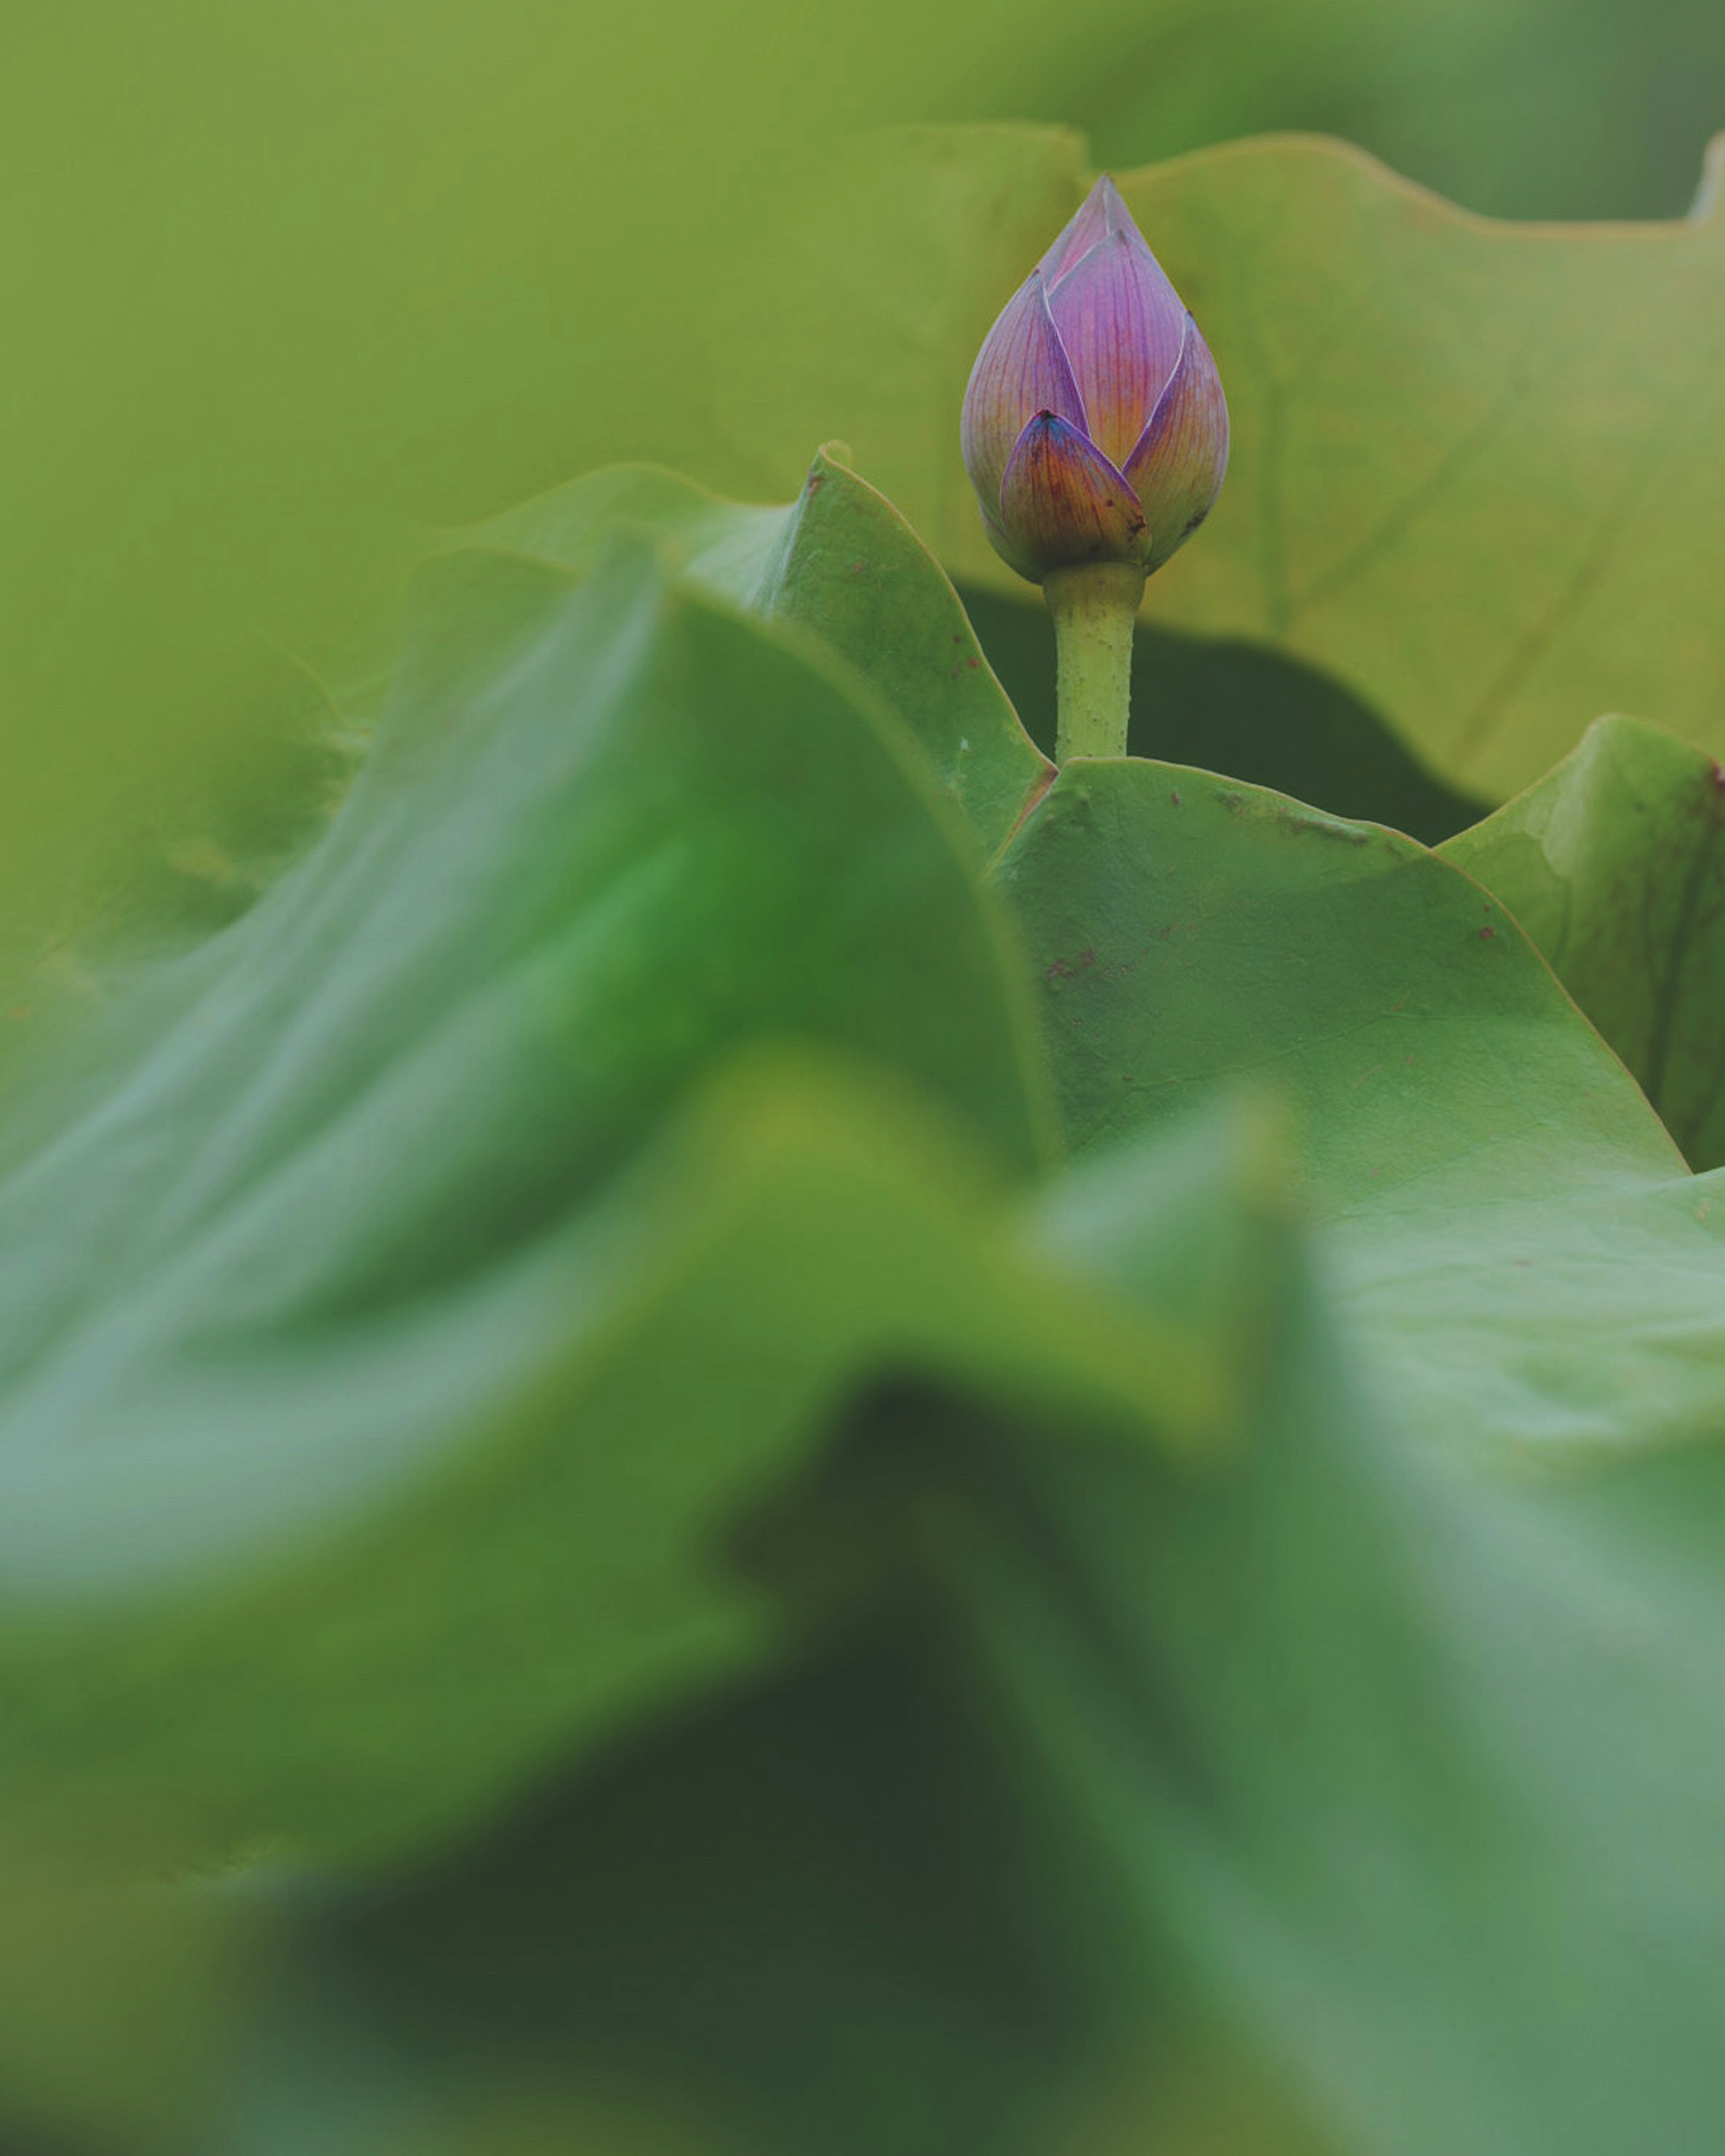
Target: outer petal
<point x="1178" y="465"/>
<point x="1062" y="503"/>
<point x="1100" y="212"/>
<point x="1021" y="370"/>
<point x="1013" y="557"/>
<point x="1121" y="322"/>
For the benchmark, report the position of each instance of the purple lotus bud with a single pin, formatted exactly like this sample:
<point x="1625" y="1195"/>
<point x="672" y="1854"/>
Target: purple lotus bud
<point x="1094" y="427"/>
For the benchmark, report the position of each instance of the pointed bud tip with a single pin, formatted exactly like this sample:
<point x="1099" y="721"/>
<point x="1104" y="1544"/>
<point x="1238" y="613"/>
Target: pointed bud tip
<point x="1109" y="195"/>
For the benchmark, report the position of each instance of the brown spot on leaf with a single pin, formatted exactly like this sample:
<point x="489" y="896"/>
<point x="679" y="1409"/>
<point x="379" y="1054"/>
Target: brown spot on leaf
<point x="1063" y="969"/>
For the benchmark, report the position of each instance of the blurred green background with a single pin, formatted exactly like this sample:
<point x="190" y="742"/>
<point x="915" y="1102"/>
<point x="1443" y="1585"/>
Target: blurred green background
<point x="287" y="280"/>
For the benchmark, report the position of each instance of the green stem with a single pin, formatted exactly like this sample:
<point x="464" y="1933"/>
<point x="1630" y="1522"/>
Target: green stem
<point x="1094" y="608"/>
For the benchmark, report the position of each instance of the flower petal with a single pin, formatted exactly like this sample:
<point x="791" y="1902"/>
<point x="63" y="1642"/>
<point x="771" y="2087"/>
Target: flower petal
<point x="1062" y="503"/>
<point x="1121" y="322"/>
<point x="1100" y="212"/>
<point x="1021" y="370"/>
<point x="1177" y="467"/>
<point x="1013" y="557"/>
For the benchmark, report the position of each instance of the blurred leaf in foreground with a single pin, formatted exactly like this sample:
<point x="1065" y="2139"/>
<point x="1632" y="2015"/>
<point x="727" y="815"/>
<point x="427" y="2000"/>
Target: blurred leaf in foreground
<point x="548" y="1364"/>
<point x="822" y="1909"/>
<point x="120" y="1999"/>
<point x="403" y="1278"/>
<point x="1386" y="1751"/>
<point x="1415" y="1769"/>
<point x="1384" y="1772"/>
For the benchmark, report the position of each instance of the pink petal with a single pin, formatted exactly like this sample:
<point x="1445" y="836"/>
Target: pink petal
<point x="1121" y="322"/>
<point x="1177" y="464"/>
<point x="1021" y="370"/>
<point x="1013" y="557"/>
<point x="1062" y="503"/>
<point x="1100" y="212"/>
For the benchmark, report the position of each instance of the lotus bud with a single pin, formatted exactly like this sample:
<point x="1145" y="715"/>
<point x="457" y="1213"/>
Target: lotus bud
<point x="1094" y="427"/>
<point x="1096" y="434"/>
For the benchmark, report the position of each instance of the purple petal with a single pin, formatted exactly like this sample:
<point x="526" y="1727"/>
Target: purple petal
<point x="1122" y="323"/>
<point x="1021" y="370"/>
<point x="1178" y="465"/>
<point x="1062" y="503"/>
<point x="1013" y="557"/>
<point x="1100" y="212"/>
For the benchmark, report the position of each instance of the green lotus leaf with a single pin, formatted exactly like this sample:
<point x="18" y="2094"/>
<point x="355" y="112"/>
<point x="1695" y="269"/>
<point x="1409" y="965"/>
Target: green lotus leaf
<point x="1334" y="1789"/>
<point x="1612" y="863"/>
<point x="117" y="2005"/>
<point x="1524" y="1253"/>
<point x="409" y="1230"/>
<point x="558" y="1294"/>
<point x="821" y="1891"/>
<point x="840" y="563"/>
<point x="1411" y="1771"/>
